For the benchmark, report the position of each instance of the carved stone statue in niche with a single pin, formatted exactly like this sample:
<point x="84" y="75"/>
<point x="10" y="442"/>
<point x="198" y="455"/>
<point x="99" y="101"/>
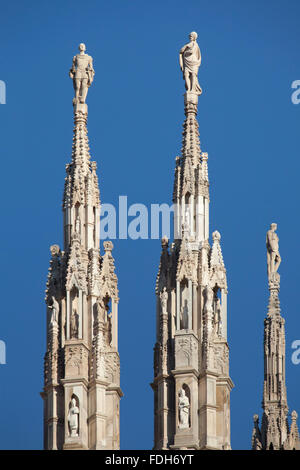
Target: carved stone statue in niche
<point x="184" y="409"/>
<point x="103" y="315"/>
<point x="55" y="310"/>
<point x="74" y="324"/>
<point x="77" y="225"/>
<point x="164" y="300"/>
<point x="101" y="310"/>
<point x="208" y="306"/>
<point x="218" y="318"/>
<point x="184" y="316"/>
<point x="73" y="418"/>
<point x="186" y="224"/>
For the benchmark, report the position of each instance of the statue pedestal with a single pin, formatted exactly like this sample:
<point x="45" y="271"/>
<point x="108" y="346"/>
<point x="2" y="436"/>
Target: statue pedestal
<point x="74" y="443"/>
<point x="185" y="439"/>
<point x="80" y="108"/>
<point x="274" y="281"/>
<point x="190" y="98"/>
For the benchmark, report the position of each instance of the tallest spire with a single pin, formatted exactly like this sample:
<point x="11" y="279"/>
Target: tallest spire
<point x="191" y="355"/>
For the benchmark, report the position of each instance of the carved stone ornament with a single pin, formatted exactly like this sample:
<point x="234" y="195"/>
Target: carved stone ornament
<point x="55" y="250"/>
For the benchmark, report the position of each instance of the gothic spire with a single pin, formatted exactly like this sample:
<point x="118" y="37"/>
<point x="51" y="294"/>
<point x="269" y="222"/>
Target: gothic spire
<point x="191" y="185"/>
<point x="274" y="432"/>
<point x="82" y="369"/>
<point x="191" y="354"/>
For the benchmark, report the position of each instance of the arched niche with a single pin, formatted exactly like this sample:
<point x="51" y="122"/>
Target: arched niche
<point x="77" y="211"/>
<point x="187" y="199"/>
<point x="187" y="390"/>
<point x="184" y="304"/>
<point x="184" y="407"/>
<point x="74" y="312"/>
<point x="218" y="310"/>
<point x="74" y="416"/>
<point x="108" y="307"/>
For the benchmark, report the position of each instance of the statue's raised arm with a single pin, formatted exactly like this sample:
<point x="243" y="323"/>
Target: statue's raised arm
<point x="190" y="60"/>
<point x="82" y="73"/>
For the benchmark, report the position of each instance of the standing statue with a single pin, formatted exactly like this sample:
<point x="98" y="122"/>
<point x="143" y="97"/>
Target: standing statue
<point x="273" y="256"/>
<point x="74" y="325"/>
<point x="82" y="74"/>
<point x="77" y="225"/>
<point x="101" y="310"/>
<point x="164" y="300"/>
<point x="73" y="418"/>
<point x="184" y="316"/>
<point x="209" y="298"/>
<point x="190" y="60"/>
<point x="218" y="318"/>
<point x="184" y="409"/>
<point x="187" y="221"/>
<point x="55" y="309"/>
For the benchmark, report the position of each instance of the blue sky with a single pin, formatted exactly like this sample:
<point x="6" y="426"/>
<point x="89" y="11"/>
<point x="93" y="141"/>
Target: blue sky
<point x="249" y="127"/>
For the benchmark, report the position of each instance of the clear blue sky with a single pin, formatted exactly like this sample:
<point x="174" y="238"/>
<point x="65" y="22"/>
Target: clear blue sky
<point x="248" y="126"/>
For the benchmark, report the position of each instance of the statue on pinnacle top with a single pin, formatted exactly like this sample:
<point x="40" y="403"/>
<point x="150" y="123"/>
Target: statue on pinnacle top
<point x="190" y="60"/>
<point x="82" y="74"/>
<point x="273" y="256"/>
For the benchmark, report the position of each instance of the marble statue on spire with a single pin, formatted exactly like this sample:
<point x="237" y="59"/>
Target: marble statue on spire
<point x="275" y="432"/>
<point x="82" y="74"/>
<point x="273" y="256"/>
<point x="190" y="60"/>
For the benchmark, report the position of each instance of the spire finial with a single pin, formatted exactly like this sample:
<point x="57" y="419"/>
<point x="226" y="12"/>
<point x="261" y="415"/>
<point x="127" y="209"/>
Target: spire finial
<point x="108" y="246"/>
<point x="190" y="60"/>
<point x="164" y="242"/>
<point x="82" y="74"/>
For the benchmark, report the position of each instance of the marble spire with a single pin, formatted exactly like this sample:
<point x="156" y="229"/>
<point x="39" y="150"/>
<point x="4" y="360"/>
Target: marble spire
<point x="191" y="355"/>
<point x="275" y="433"/>
<point x="82" y="367"/>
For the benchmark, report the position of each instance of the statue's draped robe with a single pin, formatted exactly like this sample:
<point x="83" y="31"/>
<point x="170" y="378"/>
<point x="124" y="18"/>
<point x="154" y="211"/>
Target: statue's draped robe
<point x="191" y="62"/>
